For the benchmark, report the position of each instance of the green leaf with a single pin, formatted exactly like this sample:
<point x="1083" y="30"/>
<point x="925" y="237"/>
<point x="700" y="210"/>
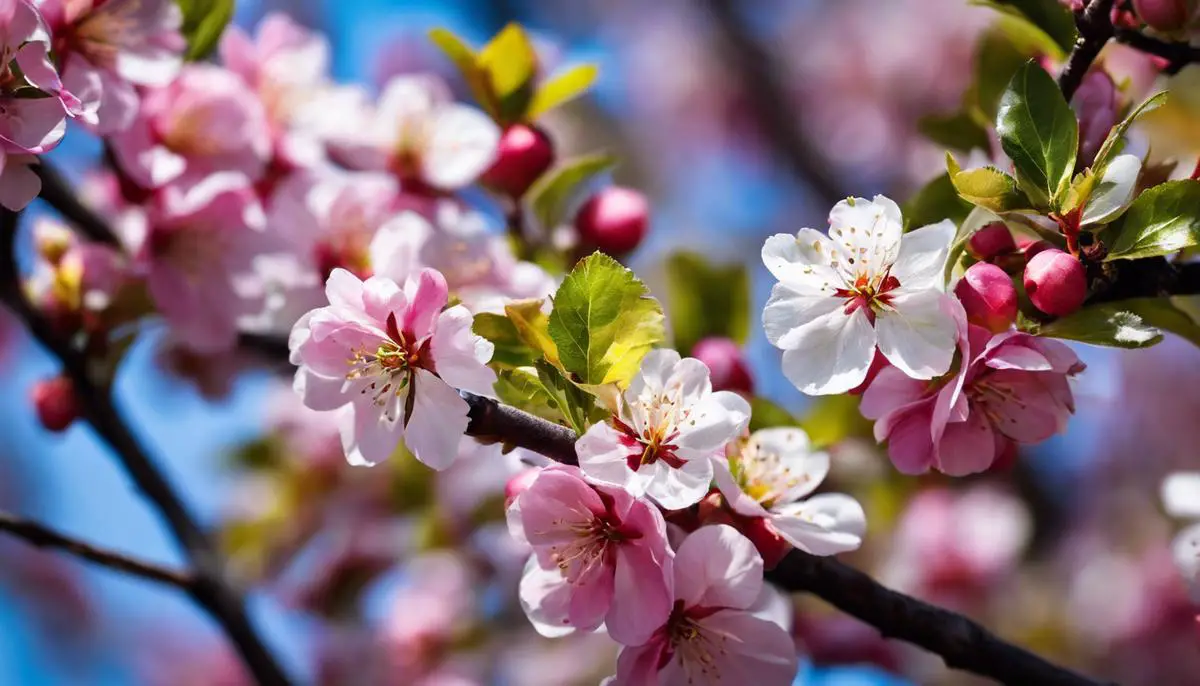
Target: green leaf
<point x="510" y="62"/>
<point x="765" y="414"/>
<point x="1179" y="314"/>
<point x="986" y="187"/>
<point x="523" y="389"/>
<point x="936" y="201"/>
<point x="1048" y="15"/>
<point x="1112" y="144"/>
<point x="706" y="300"/>
<point x="577" y="406"/>
<point x="603" y="321"/>
<point x="562" y="88"/>
<point x="959" y="131"/>
<point x="511" y="350"/>
<point x="468" y="64"/>
<point x="203" y="23"/>
<point x="1039" y="133"/>
<point x="1108" y="324"/>
<point x="1113" y="192"/>
<point x="1162" y="220"/>
<point x="550" y="195"/>
<point x="999" y="53"/>
<point x="531" y="325"/>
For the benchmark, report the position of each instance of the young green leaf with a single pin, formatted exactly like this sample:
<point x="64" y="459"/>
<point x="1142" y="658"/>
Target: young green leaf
<point x="562" y="88"/>
<point x="1112" y="194"/>
<point x="706" y="300"/>
<point x="1160" y="221"/>
<point x="531" y="325"/>
<point x="203" y="23"/>
<point x="510" y="62"/>
<point x="603" y="321"/>
<point x="523" y="389"/>
<point x="1108" y="324"/>
<point x="575" y="403"/>
<point x="987" y="187"/>
<point x="467" y="62"/>
<point x="1049" y="16"/>
<point x="510" y="350"/>
<point x="1039" y="133"/>
<point x="551" y="194"/>
<point x="1113" y="143"/>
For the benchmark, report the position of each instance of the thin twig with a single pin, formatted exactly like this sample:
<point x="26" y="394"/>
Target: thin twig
<point x="775" y="112"/>
<point x="45" y="537"/>
<point x="59" y="194"/>
<point x="210" y="589"/>
<point x="1095" y="28"/>
<point x="1177" y="54"/>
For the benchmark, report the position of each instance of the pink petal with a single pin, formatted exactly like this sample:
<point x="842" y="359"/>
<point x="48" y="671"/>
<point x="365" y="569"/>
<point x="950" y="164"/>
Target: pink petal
<point x="545" y="597"/>
<point x="967" y="447"/>
<point x="638" y="665"/>
<point x="910" y="444"/>
<point x="642" y="598"/>
<point x="368" y="438"/>
<point x="603" y="458"/>
<point x="753" y="651"/>
<point x="460" y="355"/>
<point x="427" y="295"/>
<point x="717" y="567"/>
<point x="438" y="421"/>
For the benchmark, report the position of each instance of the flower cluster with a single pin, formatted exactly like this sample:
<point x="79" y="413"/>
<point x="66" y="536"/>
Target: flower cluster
<point x="949" y="381"/>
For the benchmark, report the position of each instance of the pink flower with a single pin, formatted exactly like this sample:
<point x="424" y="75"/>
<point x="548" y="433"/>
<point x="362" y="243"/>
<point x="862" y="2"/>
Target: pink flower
<point x="600" y="556"/>
<point x="107" y="48"/>
<point x="27" y="124"/>
<point x="1014" y="388"/>
<point x="418" y="133"/>
<point x="768" y="476"/>
<point x="670" y="425"/>
<point x="197" y="249"/>
<point x="389" y="360"/>
<point x="713" y="636"/>
<point x="205" y="121"/>
<point x="19" y="185"/>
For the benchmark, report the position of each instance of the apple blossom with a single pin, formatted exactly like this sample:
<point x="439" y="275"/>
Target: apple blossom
<point x="1056" y="282"/>
<point x="196" y="247"/>
<point x="1010" y="387"/>
<point x="1181" y="499"/>
<point x="416" y="132"/>
<point x="600" y="556"/>
<point x="389" y="359"/>
<point x="669" y="426"/>
<point x="19" y="185"/>
<point x="108" y="48"/>
<point x="867" y="284"/>
<point x="27" y="124"/>
<point x="769" y="475"/>
<point x="712" y="635"/>
<point x="207" y="120"/>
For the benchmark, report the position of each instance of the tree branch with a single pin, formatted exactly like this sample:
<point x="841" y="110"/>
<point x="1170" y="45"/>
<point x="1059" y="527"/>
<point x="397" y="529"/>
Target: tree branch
<point x="1177" y="54"/>
<point x="59" y="194"/>
<point x="209" y="589"/>
<point x="770" y="104"/>
<point x="1095" y="28"/>
<point x="45" y="537"/>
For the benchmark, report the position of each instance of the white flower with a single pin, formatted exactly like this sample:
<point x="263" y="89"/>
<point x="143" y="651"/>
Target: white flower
<point x="670" y="426"/>
<point x="1181" y="498"/>
<point x="769" y="476"/>
<point x="864" y="285"/>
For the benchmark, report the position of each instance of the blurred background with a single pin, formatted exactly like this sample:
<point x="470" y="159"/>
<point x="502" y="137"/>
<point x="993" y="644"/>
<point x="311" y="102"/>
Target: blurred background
<point x="738" y="124"/>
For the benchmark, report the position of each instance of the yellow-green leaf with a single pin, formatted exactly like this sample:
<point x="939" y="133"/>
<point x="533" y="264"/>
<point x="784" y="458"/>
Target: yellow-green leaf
<point x="706" y="300"/>
<point x="510" y="62"/>
<point x="603" y="322"/>
<point x="203" y="23"/>
<point x="467" y="62"/>
<point x="510" y="349"/>
<point x="986" y="187"/>
<point x="532" y="325"/>
<point x="551" y="194"/>
<point x="561" y="88"/>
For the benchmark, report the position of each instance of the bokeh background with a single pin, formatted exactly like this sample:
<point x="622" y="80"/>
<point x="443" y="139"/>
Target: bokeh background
<point x="1067" y="553"/>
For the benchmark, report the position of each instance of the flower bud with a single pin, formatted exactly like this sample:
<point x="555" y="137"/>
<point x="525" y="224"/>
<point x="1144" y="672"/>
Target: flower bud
<point x="727" y="367"/>
<point x="518" y="485"/>
<point x="1095" y="104"/>
<point x="1055" y="282"/>
<point x="524" y="154"/>
<point x="1163" y="15"/>
<point x="55" y="402"/>
<point x="613" y="220"/>
<point x="988" y="296"/>
<point x="1032" y="246"/>
<point x="766" y="539"/>
<point x="991" y="241"/>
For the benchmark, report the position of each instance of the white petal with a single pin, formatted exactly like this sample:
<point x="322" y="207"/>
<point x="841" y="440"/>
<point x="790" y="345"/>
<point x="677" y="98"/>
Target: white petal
<point x="831" y="355"/>
<point x="545" y="597"/>
<point x="603" y="459"/>
<point x="825" y="524"/>
<point x="461" y="146"/>
<point x="1186" y="551"/>
<point x="922" y="260"/>
<point x="797" y="462"/>
<point x="675" y="489"/>
<point x="1181" y="495"/>
<point x="918" y="334"/>
<point x="802" y="261"/>
<point x="789" y="310"/>
<point x="868" y="232"/>
<point x="656" y="368"/>
<point x="737" y="499"/>
<point x="438" y="421"/>
<point x="1114" y="190"/>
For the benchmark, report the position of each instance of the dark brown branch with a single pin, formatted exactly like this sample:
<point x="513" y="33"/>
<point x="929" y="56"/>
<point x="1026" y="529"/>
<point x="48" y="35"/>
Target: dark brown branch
<point x="774" y="111"/>
<point x="59" y="194"/>
<point x="45" y="537"/>
<point x="1178" y="55"/>
<point x="490" y="420"/>
<point x="1095" y="28"/>
<point x="210" y="589"/>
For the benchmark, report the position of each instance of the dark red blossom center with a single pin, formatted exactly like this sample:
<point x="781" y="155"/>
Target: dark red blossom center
<point x="648" y="447"/>
<point x="866" y="294"/>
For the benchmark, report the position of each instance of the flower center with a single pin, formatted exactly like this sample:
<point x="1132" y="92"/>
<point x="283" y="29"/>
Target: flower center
<point x="390" y="367"/>
<point x="594" y="541"/>
<point x="994" y="400"/>
<point x="869" y="292"/>
<point x="695" y="649"/>
<point x="650" y="446"/>
<point x="101" y="33"/>
<point x="763" y="475"/>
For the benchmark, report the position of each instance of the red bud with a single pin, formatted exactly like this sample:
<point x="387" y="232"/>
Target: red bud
<point x="524" y="154"/>
<point x="991" y="241"/>
<point x="1055" y="282"/>
<point x="55" y="402"/>
<point x="613" y="220"/>
<point x="725" y="363"/>
<point x="989" y="297"/>
<point x="1163" y="15"/>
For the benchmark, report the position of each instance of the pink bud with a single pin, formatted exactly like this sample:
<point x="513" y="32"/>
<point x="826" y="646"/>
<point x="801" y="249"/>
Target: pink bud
<point x="989" y="297"/>
<point x="1032" y="246"/>
<point x="1055" y="282"/>
<point x="763" y="535"/>
<point x="524" y="154"/>
<point x="613" y="220"/>
<point x="518" y="484"/>
<point x="991" y="241"/>
<point x="1095" y="104"/>
<point x="1163" y="15"/>
<point x="55" y="402"/>
<point x="725" y="363"/>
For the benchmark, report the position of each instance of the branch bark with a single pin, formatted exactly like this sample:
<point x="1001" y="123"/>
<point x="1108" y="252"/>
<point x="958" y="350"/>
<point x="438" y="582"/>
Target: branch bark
<point x="1095" y="28"/>
<point x="209" y="589"/>
<point x="45" y="537"/>
<point x="1177" y="54"/>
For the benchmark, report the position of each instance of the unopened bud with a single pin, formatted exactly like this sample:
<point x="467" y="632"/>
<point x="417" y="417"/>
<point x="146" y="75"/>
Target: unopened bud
<point x="991" y="241"/>
<point x="1032" y="246"/>
<point x="1095" y="105"/>
<point x="524" y="154"/>
<point x="766" y="539"/>
<point x="1056" y="282"/>
<point x="613" y="220"/>
<point x="726" y="366"/>
<point x="988" y="296"/>
<point x="1164" y="15"/>
<point x="55" y="402"/>
<point x="519" y="484"/>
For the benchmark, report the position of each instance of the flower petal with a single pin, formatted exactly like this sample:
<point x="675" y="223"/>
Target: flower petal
<point x="922" y="260"/>
<point x="919" y="334"/>
<point x="717" y="567"/>
<point x="831" y="355"/>
<point x="825" y="524"/>
<point x="438" y="421"/>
